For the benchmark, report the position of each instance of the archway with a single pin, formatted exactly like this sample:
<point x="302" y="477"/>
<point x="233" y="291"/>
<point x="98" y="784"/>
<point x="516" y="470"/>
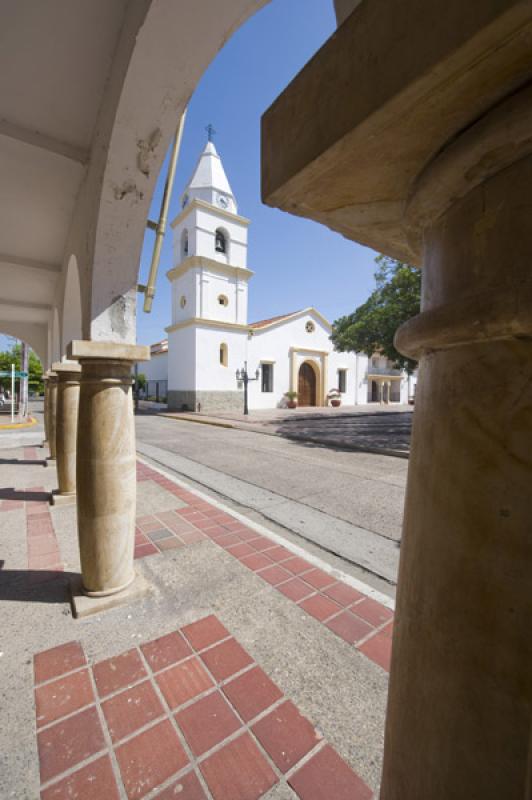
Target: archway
<point x="307" y="384"/>
<point x="374" y="392"/>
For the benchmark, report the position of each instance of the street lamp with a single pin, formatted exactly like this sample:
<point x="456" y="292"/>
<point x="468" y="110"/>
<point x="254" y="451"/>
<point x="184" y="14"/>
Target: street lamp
<point x="242" y="375"/>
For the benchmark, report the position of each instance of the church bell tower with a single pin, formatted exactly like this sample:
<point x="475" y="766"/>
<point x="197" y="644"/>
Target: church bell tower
<point x="210" y="275"/>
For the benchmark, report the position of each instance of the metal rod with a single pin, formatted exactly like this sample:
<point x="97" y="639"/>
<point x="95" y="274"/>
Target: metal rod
<point x="12" y="393"/>
<point x="149" y="292"/>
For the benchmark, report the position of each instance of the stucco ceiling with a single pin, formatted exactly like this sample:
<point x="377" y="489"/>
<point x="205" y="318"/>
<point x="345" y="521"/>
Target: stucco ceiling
<point x="55" y="58"/>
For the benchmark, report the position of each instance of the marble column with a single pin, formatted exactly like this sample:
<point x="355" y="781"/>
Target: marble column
<point x="106" y="464"/>
<point x="68" y="383"/>
<point x="460" y="700"/>
<point x="51" y="413"/>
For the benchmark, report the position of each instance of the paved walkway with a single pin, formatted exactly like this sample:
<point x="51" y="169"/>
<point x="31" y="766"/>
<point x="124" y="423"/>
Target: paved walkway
<point x="251" y="670"/>
<point x="372" y="428"/>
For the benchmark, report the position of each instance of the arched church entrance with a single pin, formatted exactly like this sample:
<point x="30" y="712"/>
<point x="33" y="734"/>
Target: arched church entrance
<point x="306" y="388"/>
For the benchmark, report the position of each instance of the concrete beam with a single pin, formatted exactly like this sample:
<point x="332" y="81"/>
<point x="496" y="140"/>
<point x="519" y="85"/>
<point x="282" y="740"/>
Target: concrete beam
<point x="28" y="263"/>
<point x="18" y="310"/>
<point x="345" y="142"/>
<point x="35" y="138"/>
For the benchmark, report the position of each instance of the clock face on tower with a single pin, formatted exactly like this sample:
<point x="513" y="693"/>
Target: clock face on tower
<point x="223" y="201"/>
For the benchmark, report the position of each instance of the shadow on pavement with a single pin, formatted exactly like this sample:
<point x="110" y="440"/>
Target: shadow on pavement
<point x="24" y="495"/>
<point x="34" y="586"/>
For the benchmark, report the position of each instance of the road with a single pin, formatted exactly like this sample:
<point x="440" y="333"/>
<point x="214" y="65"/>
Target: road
<point x="347" y="503"/>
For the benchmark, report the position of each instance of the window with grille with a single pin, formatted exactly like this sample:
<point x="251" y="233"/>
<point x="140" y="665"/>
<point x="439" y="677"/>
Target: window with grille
<point x="342" y="380"/>
<point x="267" y="377"/>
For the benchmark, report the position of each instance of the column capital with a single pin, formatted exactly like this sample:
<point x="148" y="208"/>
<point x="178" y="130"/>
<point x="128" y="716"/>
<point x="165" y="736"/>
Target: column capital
<point x="67" y="370"/>
<point x="83" y="350"/>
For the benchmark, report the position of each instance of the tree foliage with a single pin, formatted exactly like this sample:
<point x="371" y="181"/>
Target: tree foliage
<point x="372" y="326"/>
<point x="13" y="356"/>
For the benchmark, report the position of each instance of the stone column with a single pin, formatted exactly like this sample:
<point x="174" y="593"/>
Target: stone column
<point x="51" y="413"/>
<point x="68" y="383"/>
<point x="430" y="164"/>
<point x="106" y="464"/>
<point x="45" y="409"/>
<point x="460" y="700"/>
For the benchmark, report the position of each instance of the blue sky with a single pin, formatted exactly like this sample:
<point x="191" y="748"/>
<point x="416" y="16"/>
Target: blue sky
<point x="297" y="263"/>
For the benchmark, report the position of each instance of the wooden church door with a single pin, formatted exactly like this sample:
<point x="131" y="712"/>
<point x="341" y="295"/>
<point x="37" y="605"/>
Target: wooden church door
<point x="306" y="390"/>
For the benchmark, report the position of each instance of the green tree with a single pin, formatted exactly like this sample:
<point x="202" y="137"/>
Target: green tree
<point x="13" y="356"/>
<point x="372" y="326"/>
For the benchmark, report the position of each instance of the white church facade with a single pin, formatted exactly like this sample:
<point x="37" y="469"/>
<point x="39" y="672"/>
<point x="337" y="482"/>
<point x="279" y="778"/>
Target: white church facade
<point x="210" y="338"/>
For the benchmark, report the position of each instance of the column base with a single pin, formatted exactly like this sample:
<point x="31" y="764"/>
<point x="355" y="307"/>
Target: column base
<point x="62" y="498"/>
<point x="84" y="605"/>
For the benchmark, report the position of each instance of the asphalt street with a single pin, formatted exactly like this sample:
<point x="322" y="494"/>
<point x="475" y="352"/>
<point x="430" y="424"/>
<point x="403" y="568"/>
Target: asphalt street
<point x="347" y="503"/>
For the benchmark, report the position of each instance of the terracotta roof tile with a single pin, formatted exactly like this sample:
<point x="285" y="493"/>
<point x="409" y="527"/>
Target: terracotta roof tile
<point x="263" y="322"/>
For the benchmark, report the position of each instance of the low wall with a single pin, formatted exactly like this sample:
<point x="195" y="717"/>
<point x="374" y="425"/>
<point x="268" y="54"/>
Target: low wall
<point x="209" y="401"/>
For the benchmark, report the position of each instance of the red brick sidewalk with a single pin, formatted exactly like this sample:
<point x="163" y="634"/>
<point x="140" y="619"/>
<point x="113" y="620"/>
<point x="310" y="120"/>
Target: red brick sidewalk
<point x="188" y="715"/>
<point x="356" y="618"/>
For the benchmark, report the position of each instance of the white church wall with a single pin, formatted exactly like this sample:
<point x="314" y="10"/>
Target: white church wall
<point x="274" y="344"/>
<point x="182" y="363"/>
<point x="347" y="362"/>
<point x="361" y="379"/>
<point x="156" y="369"/>
<point x="211" y="375"/>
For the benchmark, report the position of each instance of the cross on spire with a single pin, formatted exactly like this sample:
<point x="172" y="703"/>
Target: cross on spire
<point x="210" y="132"/>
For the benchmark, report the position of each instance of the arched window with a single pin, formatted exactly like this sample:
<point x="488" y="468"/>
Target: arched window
<point x="223" y="300"/>
<point x="220" y="241"/>
<point x="223" y="355"/>
<point x="184" y="242"/>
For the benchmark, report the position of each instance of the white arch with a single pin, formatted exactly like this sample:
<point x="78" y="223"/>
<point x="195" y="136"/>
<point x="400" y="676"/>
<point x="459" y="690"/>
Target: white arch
<point x="71" y="327"/>
<point x="33" y="333"/>
<point x="154" y="80"/>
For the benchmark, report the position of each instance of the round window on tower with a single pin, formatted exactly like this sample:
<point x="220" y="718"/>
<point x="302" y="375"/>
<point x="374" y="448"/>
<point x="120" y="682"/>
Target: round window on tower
<point x="182" y="301"/>
<point x="223" y="300"/>
<point x="310" y="327"/>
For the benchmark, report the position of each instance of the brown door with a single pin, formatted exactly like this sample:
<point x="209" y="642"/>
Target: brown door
<point x="306" y="390"/>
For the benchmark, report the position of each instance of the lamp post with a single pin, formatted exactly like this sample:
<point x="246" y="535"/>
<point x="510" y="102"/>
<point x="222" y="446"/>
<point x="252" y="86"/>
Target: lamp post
<point x="242" y="375"/>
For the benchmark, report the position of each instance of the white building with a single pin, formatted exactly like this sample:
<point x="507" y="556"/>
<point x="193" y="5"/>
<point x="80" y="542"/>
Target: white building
<point x="210" y="337"/>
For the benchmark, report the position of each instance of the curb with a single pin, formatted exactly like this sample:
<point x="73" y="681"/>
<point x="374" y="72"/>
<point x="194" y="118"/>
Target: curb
<point x="18" y="425"/>
<point x="214" y="423"/>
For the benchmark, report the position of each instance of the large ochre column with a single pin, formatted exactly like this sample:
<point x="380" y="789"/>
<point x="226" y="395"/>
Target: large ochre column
<point x="68" y="383"/>
<point x="51" y="413"/>
<point x="410" y="132"/>
<point x="460" y="701"/>
<point x="106" y="464"/>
